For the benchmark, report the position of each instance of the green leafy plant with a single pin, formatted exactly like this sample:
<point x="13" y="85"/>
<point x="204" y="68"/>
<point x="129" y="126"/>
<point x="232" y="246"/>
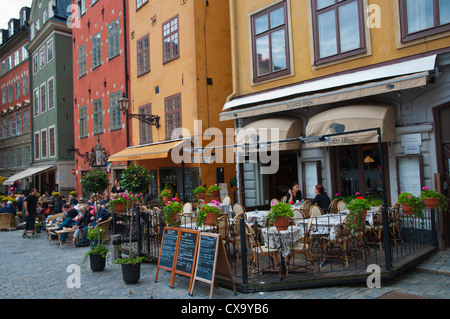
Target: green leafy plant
<point x="280" y="209"/>
<point x="96" y="250"/>
<point x="429" y="193"/>
<point x="93" y="234"/>
<point x="206" y="208"/>
<point x="136" y="179"/>
<point x="167" y="192"/>
<point x="200" y="190"/>
<point x="213" y="188"/>
<point x="133" y="260"/>
<point x="95" y="181"/>
<point x="414" y="201"/>
<point x="357" y="207"/>
<point x="172" y="208"/>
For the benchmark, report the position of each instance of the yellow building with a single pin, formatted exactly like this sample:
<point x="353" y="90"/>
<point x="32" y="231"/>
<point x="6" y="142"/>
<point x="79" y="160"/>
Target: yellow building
<point x="325" y="66"/>
<point x="180" y="71"/>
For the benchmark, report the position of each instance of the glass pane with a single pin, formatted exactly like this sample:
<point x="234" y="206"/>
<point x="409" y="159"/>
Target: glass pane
<point x="277" y="18"/>
<point x="262" y="55"/>
<point x="278" y="51"/>
<point x="372" y="172"/>
<point x="261" y="24"/>
<point x="419" y="15"/>
<point x="349" y="27"/>
<point x="348" y="156"/>
<point x="324" y="3"/>
<point x="444" y="11"/>
<point x="327" y="34"/>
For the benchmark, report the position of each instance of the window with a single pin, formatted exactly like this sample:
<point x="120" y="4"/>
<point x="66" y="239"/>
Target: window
<point x="96" y="50"/>
<point x="27" y="155"/>
<point x="24" y="53"/>
<point x="83" y="122"/>
<point x="44" y="143"/>
<point x="11" y="158"/>
<point x="36" y="102"/>
<point x="171" y="48"/>
<point x="143" y="55"/>
<point x="4" y="128"/>
<point x="19" y="157"/>
<point x="3" y="96"/>
<point x="51" y="95"/>
<point x="81" y="7"/>
<point x="98" y="116"/>
<point x="270" y="43"/>
<point x="52" y="141"/>
<point x="43" y="98"/>
<point x="16" y="58"/>
<point x="35" y="63"/>
<point x="173" y="114"/>
<point x="12" y="126"/>
<point x="114" y="112"/>
<point x="82" y="60"/>
<point x="10" y="94"/>
<point x="25" y="85"/>
<point x="420" y="18"/>
<point x="49" y="50"/>
<point x="140" y="3"/>
<point x="44" y="17"/>
<point x="145" y="130"/>
<point x="17" y="89"/>
<point x="338" y="28"/>
<point x="113" y="39"/>
<point x="18" y="123"/>
<point x="37" y="149"/>
<point x="42" y="57"/>
<point x="26" y="121"/>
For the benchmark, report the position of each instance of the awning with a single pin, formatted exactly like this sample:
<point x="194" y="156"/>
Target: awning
<point x="144" y="152"/>
<point x="373" y="81"/>
<point x="352" y="118"/>
<point x="271" y="130"/>
<point x="28" y="172"/>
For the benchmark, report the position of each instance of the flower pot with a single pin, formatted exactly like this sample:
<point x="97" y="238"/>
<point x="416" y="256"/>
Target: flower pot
<point x="173" y="221"/>
<point x="97" y="262"/>
<point x="282" y="223"/>
<point x="119" y="208"/>
<point x="166" y="199"/>
<point x="210" y="219"/>
<point x="200" y="196"/>
<point x="407" y="209"/>
<point x="215" y="194"/>
<point x="431" y="203"/>
<point x="131" y="273"/>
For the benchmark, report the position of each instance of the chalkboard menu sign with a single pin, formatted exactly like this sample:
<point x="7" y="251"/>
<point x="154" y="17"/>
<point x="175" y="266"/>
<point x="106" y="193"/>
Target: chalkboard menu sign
<point x="206" y="258"/>
<point x="187" y="251"/>
<point x="167" y="251"/>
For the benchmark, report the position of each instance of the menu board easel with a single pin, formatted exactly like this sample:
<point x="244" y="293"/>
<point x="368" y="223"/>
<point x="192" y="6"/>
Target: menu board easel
<point x="185" y="255"/>
<point x="167" y="250"/>
<point x="211" y="260"/>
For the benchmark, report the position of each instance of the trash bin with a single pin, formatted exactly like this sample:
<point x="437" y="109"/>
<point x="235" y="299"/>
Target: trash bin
<point x="116" y="241"/>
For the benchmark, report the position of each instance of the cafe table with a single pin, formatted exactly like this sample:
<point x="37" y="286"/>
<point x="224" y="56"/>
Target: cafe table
<point x="257" y="217"/>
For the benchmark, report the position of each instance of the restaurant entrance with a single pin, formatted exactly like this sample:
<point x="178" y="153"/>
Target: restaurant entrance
<point x="356" y="168"/>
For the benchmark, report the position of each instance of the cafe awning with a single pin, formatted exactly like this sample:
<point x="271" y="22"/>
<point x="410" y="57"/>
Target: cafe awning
<point x="145" y="152"/>
<point x="28" y="172"/>
<point x="353" y="118"/>
<point x="343" y="87"/>
<point x="273" y="130"/>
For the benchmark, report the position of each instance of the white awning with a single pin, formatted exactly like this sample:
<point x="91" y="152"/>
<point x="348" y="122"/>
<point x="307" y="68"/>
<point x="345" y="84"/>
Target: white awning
<point x="28" y="172"/>
<point x="378" y="80"/>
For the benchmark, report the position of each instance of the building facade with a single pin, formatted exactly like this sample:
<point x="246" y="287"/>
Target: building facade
<point x="15" y="143"/>
<point x="50" y="51"/>
<point x="180" y="71"/>
<point x="328" y="67"/>
<point x="99" y="80"/>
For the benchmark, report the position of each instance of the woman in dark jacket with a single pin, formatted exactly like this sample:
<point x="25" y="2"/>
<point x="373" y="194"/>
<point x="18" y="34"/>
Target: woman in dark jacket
<point x="321" y="199"/>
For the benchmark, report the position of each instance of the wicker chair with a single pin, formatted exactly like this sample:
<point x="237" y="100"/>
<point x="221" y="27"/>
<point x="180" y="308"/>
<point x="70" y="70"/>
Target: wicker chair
<point x="257" y="251"/>
<point x="104" y="226"/>
<point x="333" y="208"/>
<point x="315" y="211"/>
<point x="238" y="208"/>
<point x="187" y="220"/>
<point x="341" y="241"/>
<point x="297" y="214"/>
<point x="7" y="221"/>
<point x="274" y="201"/>
<point x="341" y="205"/>
<point x="394" y="223"/>
<point x="377" y="228"/>
<point x="226" y="200"/>
<point x="305" y="208"/>
<point x="303" y="247"/>
<point x="187" y="208"/>
<point x="235" y="232"/>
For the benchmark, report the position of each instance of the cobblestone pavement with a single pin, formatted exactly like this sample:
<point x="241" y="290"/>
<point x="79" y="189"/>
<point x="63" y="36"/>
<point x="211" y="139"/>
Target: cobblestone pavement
<point x="31" y="268"/>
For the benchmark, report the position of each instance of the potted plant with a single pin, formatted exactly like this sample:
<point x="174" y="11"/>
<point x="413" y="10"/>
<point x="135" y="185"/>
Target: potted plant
<point x="166" y="194"/>
<point x="171" y="211"/>
<point x="358" y="208"/>
<point x="200" y="192"/>
<point x="117" y="205"/>
<point x="94" y="236"/>
<point x="214" y="190"/>
<point x="411" y="205"/>
<point x="55" y="194"/>
<point x="135" y="179"/>
<point x="97" y="256"/>
<point x="279" y="215"/>
<point x="208" y="214"/>
<point x="38" y="226"/>
<point x="433" y="199"/>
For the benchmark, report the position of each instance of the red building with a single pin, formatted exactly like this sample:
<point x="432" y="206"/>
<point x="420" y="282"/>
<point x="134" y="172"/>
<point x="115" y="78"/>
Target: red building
<point x="99" y="71"/>
<point x="15" y="117"/>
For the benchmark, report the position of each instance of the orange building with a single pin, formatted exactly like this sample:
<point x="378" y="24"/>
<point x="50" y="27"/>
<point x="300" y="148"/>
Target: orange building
<point x="180" y="71"/>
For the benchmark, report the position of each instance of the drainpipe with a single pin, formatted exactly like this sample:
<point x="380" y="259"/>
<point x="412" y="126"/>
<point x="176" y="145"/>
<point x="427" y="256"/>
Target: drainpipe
<point x="233" y="49"/>
<point x="125" y="49"/>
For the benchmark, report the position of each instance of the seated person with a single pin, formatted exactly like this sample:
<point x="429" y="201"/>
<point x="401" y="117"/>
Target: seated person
<point x="9" y="208"/>
<point x="294" y="194"/>
<point x="69" y="221"/>
<point x="83" y="221"/>
<point x="72" y="200"/>
<point x="321" y="199"/>
<point x="103" y="215"/>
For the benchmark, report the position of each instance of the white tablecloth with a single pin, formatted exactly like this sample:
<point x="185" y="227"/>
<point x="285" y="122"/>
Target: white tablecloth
<point x="327" y="224"/>
<point x="281" y="240"/>
<point x="257" y="217"/>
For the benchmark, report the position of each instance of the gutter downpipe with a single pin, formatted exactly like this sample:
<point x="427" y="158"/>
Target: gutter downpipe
<point x="125" y="48"/>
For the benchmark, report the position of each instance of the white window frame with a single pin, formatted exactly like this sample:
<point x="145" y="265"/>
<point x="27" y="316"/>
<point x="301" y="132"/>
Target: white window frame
<point x="49" y="141"/>
<point x="51" y="79"/>
<point x="42" y="144"/>
<point x="37" y="150"/>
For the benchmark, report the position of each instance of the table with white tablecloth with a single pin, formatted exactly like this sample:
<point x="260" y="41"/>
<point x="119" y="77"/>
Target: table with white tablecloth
<point x="257" y="217"/>
<point x="282" y="240"/>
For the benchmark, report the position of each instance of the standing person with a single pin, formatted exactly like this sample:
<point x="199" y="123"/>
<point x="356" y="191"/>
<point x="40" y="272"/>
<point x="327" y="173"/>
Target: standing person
<point x="117" y="188"/>
<point x="294" y="194"/>
<point x="321" y="199"/>
<point x="30" y="206"/>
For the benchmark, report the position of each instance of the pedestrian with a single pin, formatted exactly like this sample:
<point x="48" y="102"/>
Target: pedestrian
<point x="30" y="205"/>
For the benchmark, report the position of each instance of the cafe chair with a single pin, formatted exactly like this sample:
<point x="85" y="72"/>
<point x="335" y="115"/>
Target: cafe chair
<point x="315" y="211"/>
<point x="377" y="229"/>
<point x="274" y="201"/>
<point x="394" y="223"/>
<point x="340" y="246"/>
<point x="104" y="226"/>
<point x="187" y="208"/>
<point x="297" y="215"/>
<point x="341" y="205"/>
<point x="187" y="220"/>
<point x="234" y="237"/>
<point x="223" y="229"/>
<point x="333" y="208"/>
<point x="257" y="251"/>
<point x="302" y="247"/>
<point x="238" y="208"/>
<point x="305" y="208"/>
<point x="284" y="199"/>
<point x="226" y="200"/>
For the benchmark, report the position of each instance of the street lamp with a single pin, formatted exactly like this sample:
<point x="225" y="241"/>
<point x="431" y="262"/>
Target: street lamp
<point x="149" y="119"/>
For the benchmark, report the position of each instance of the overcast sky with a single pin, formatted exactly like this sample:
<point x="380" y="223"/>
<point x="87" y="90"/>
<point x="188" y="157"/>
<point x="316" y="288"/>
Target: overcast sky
<point x="10" y="9"/>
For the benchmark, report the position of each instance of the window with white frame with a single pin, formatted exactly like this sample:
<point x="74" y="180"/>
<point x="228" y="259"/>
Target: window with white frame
<point x="113" y="39"/>
<point x="98" y="116"/>
<point x="114" y="111"/>
<point x="19" y="123"/>
<point x="96" y="50"/>
<point x="52" y="141"/>
<point x="51" y="94"/>
<point x="25" y="85"/>
<point x="43" y="97"/>
<point x="82" y="60"/>
<point x="42" y="57"/>
<point x="37" y="143"/>
<point x="83" y="122"/>
<point x="35" y="63"/>
<point x="140" y="3"/>
<point x="44" y="143"/>
<point x="17" y="89"/>
<point x="49" y="50"/>
<point x="36" y="102"/>
<point x="10" y="94"/>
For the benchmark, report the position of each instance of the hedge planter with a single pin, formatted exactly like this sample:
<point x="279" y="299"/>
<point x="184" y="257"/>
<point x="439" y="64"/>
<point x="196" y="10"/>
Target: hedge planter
<point x="97" y="262"/>
<point x="131" y="273"/>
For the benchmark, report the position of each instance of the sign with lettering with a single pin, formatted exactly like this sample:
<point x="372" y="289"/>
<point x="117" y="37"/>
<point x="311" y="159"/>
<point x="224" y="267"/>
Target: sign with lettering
<point x="167" y="251"/>
<point x="186" y="253"/>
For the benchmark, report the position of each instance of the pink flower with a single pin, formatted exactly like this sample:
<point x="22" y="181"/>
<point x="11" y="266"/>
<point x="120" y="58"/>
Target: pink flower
<point x="337" y="194"/>
<point x="409" y="196"/>
<point x="169" y="191"/>
<point x="357" y="193"/>
<point x="426" y="188"/>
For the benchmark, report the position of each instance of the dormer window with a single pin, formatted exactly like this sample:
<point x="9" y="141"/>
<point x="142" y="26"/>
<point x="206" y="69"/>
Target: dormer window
<point x="38" y="25"/>
<point x="11" y="28"/>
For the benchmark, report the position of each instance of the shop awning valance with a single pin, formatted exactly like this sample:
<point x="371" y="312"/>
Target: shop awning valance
<point x="344" y="87"/>
<point x="353" y="118"/>
<point x="26" y="173"/>
<point x="271" y="130"/>
<point x="145" y="152"/>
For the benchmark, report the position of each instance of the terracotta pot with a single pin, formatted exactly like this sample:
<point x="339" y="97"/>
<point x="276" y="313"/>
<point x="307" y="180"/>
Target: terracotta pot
<point x="200" y="196"/>
<point x="166" y="199"/>
<point x="118" y="208"/>
<point x="174" y="219"/>
<point x="407" y="209"/>
<point x="282" y="223"/>
<point x="215" y="194"/>
<point x="431" y="203"/>
<point x="211" y="219"/>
